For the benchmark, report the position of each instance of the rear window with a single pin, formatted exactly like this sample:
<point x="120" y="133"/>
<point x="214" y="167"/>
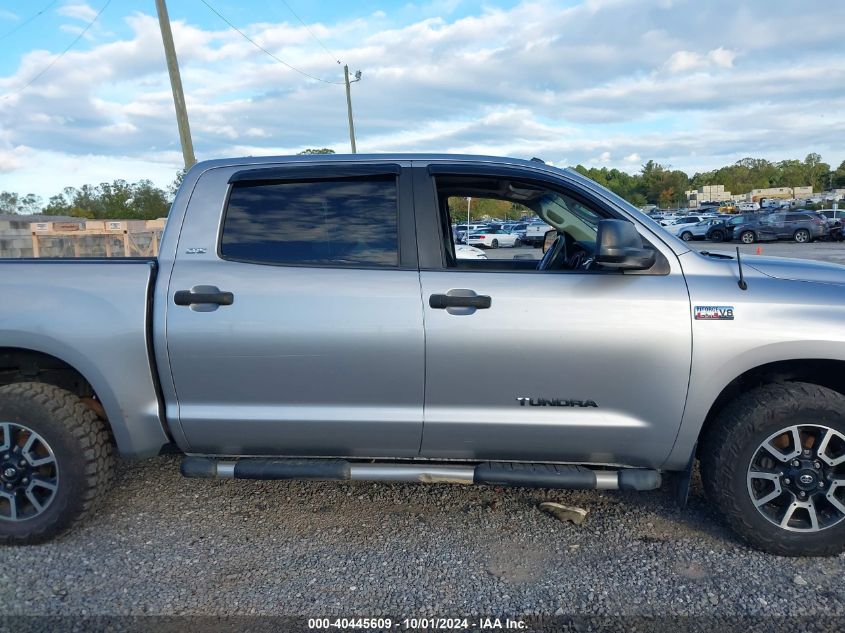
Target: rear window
<point x="344" y="222"/>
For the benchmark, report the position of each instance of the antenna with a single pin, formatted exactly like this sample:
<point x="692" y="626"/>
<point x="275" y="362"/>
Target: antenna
<point x="741" y="282"/>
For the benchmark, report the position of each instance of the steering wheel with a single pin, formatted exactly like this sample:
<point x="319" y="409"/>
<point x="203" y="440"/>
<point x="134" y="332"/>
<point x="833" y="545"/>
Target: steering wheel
<point x="555" y="256"/>
<point x="576" y="260"/>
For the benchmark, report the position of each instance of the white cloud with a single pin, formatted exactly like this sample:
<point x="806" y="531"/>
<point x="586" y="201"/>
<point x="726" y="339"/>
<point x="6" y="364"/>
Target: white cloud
<point x="77" y="11"/>
<point x="685" y="61"/>
<point x="9" y="161"/>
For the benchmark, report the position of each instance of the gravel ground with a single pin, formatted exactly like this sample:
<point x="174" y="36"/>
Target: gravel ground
<point x="162" y="544"/>
<point x="166" y="545"/>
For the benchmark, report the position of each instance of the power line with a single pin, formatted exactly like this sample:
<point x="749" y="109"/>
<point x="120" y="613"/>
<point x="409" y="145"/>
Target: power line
<point x="59" y="56"/>
<point x="307" y="28"/>
<point x="27" y="21"/>
<point x="261" y="48"/>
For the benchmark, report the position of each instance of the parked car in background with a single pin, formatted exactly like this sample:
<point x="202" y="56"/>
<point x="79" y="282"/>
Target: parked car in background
<point x="519" y="229"/>
<point x="801" y="227"/>
<point x="461" y="231"/>
<point x="723" y="231"/>
<point x="535" y="232"/>
<point x="834" y="216"/>
<point x="699" y="230"/>
<point x="462" y="251"/>
<point x="748" y="206"/>
<point x="491" y="238"/>
<point x="678" y="223"/>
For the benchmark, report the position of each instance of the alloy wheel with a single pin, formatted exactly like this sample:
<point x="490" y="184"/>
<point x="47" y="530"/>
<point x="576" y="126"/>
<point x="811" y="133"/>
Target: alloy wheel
<point x="796" y="478"/>
<point x="29" y="473"/>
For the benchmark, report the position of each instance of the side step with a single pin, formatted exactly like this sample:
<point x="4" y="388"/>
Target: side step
<point x="493" y="473"/>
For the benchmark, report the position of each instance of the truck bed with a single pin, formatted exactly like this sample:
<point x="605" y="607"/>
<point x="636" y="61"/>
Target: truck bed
<point x="95" y="315"/>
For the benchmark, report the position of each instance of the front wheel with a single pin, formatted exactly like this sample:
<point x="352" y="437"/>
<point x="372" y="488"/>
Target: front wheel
<point x="686" y="236"/>
<point x="802" y="236"/>
<point x="494" y="244"/>
<point x="717" y="236"/>
<point x="774" y="464"/>
<point x="747" y="237"/>
<point x="55" y="461"/>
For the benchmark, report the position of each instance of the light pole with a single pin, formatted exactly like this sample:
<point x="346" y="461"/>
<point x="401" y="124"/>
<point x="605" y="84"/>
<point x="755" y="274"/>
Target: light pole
<point x="466" y="233"/>
<point x="349" y="104"/>
<point x="176" y="86"/>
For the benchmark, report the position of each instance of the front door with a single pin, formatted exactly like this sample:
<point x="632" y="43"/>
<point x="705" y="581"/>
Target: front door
<point x="320" y="351"/>
<point x="572" y="363"/>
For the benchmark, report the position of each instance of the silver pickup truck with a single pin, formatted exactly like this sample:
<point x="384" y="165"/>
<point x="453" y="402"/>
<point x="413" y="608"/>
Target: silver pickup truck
<point x="308" y="319"/>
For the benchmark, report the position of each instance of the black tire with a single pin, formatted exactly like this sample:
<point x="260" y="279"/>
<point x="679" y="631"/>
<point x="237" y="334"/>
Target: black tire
<point x="731" y="444"/>
<point x="686" y="236"/>
<point x="83" y="454"/>
<point x="802" y="236"/>
<point x="494" y="243"/>
<point x="747" y="237"/>
<point x="517" y="243"/>
<point x="717" y="236"/>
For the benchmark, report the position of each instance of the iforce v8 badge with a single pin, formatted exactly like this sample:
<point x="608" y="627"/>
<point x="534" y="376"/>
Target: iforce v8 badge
<point x="714" y="313"/>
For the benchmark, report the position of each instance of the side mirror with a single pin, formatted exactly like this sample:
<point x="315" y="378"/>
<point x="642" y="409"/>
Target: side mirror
<point x="549" y="239"/>
<point x="619" y="245"/>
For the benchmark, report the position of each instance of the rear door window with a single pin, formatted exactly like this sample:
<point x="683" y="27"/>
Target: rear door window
<point x="342" y="222"/>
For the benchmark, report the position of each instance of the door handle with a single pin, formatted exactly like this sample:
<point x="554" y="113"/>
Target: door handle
<point x="442" y="302"/>
<point x="191" y="297"/>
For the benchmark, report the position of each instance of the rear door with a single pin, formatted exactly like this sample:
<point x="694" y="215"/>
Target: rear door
<point x="320" y="350"/>
<point x="771" y="226"/>
<point x="560" y="365"/>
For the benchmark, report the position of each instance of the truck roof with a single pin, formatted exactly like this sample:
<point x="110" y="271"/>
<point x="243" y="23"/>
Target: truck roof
<point x="320" y="158"/>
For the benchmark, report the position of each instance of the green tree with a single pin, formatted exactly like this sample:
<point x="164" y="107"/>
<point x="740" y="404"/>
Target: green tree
<point x="9" y="203"/>
<point x="323" y="150"/>
<point x="114" y="200"/>
<point x="61" y="203"/>
<point x="838" y="178"/>
<point x="816" y="172"/>
<point x="792" y="174"/>
<point x="148" y="201"/>
<point x="173" y="187"/>
<point x="13" y="204"/>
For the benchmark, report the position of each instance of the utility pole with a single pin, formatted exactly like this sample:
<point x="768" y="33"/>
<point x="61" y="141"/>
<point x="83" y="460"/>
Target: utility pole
<point x="349" y="104"/>
<point x="176" y="86"/>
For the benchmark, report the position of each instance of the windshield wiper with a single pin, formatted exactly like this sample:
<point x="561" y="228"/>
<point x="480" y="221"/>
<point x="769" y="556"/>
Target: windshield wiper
<point x="717" y="255"/>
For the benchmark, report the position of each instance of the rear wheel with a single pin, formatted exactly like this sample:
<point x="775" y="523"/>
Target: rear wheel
<point x="55" y="461"/>
<point x="686" y="236"/>
<point x="747" y="237"/>
<point x="774" y="464"/>
<point x="801" y="236"/>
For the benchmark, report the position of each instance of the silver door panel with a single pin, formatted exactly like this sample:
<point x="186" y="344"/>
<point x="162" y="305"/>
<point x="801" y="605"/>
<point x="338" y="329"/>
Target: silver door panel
<point x="622" y="341"/>
<point x="306" y="361"/>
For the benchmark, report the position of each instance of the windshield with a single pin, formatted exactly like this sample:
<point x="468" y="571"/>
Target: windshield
<point x="570" y="215"/>
<point x="630" y="209"/>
